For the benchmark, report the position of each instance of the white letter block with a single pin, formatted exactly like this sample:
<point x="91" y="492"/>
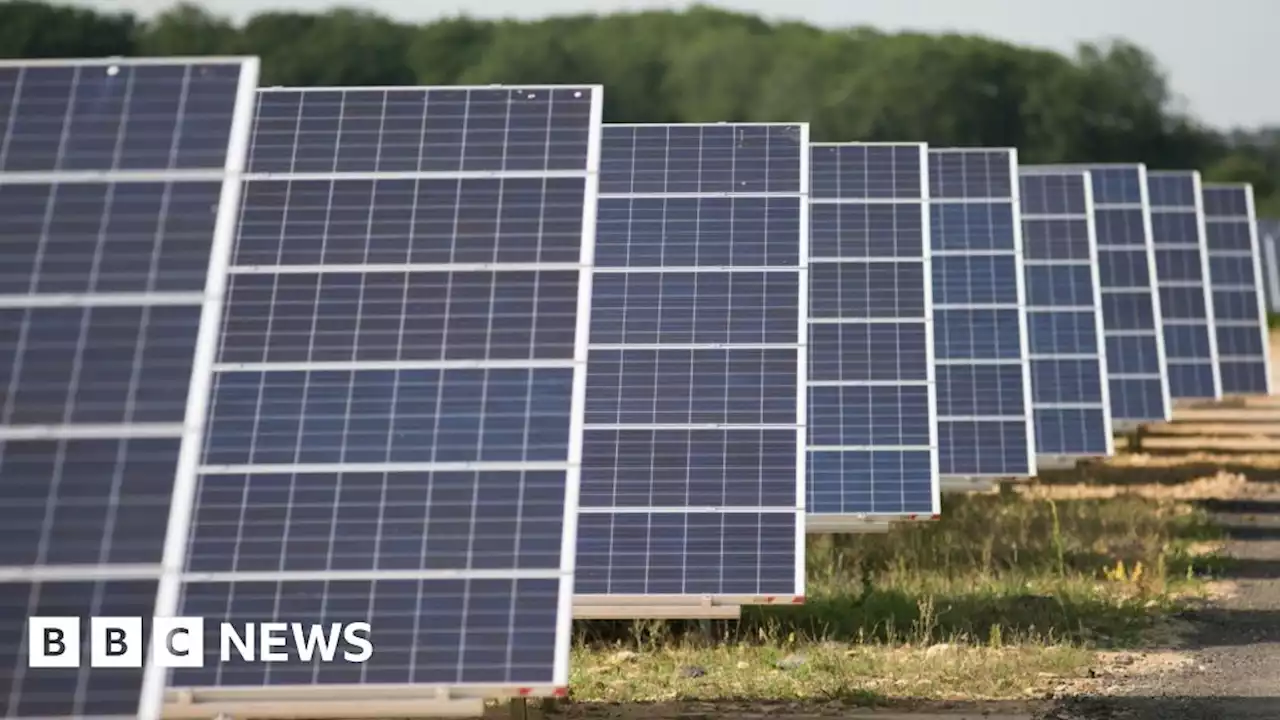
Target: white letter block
<point x="53" y="642"/>
<point x="115" y="642"/>
<point x="178" y="642"/>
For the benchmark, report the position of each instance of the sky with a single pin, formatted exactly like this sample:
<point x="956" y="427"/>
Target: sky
<point x="1217" y="53"/>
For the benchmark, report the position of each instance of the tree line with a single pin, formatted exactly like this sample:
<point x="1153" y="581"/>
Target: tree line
<point x="1106" y="102"/>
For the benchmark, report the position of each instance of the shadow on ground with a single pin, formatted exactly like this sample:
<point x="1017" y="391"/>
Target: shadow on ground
<point x="1161" y="708"/>
<point x="1101" y="474"/>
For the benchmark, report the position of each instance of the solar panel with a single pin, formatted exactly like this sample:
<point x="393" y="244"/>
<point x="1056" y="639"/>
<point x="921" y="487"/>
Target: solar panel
<point x="1064" y="317"/>
<point x="1235" y="277"/>
<point x="693" y="470"/>
<point x="1131" y="317"/>
<point x="985" y="425"/>
<point x="394" y="407"/>
<point x="1182" y="266"/>
<point x="117" y="186"/>
<point x="1269" y="239"/>
<point x="872" y="429"/>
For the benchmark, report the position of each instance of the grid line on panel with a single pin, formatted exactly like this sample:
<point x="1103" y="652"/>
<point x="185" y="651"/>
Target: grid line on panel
<point x="390" y="347"/>
<point x="1132" y="325"/>
<point x="1235" y="279"/>
<point x="1182" y="268"/>
<point x="1070" y="396"/>
<point x="985" y="415"/>
<point x="872" y="433"/>
<point x="694" y="363"/>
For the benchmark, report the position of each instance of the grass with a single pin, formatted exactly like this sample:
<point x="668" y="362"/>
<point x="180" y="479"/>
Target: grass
<point x="1000" y="597"/>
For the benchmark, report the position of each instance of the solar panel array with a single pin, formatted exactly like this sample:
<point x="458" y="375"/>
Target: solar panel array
<point x="114" y="194"/>
<point x="1064" y="316"/>
<point x="693" y="463"/>
<point x="1131" y="318"/>
<point x="1182" y="268"/>
<point x="1235" y="277"/>
<point x="872" y="429"/>
<point x="452" y="360"/>
<point x="985" y="426"/>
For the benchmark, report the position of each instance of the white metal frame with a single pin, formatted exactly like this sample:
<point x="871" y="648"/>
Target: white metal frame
<point x="950" y="482"/>
<point x="1257" y="279"/>
<point x="1058" y="461"/>
<point x="703" y="606"/>
<point x="1157" y="313"/>
<point x="876" y="522"/>
<point x="1023" y="333"/>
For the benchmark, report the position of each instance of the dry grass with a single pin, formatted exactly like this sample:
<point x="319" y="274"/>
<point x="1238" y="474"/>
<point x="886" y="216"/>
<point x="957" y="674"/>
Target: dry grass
<point x="1010" y="596"/>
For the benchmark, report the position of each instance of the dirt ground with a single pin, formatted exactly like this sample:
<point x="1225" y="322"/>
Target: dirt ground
<point x="1223" y="659"/>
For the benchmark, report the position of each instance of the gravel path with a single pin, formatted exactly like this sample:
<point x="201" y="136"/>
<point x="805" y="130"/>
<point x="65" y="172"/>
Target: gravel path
<point x="1235" y="643"/>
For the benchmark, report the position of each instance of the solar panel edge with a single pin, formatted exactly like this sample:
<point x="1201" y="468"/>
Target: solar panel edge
<point x="199" y="394"/>
<point x="130" y="61"/>
<point x="802" y="365"/>
<point x="1157" y="315"/>
<point x="577" y="410"/>
<point x="597" y="89"/>
<point x="1019" y="260"/>
<point x="1215" y="361"/>
<point x="930" y="330"/>
<point x="1162" y="358"/>
<point x="1091" y="222"/>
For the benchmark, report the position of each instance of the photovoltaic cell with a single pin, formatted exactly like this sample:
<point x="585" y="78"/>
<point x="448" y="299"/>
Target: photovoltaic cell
<point x="1182" y="266"/>
<point x="985" y="418"/>
<point x="112" y="176"/>
<point x="1131" y="311"/>
<point x="391" y="428"/>
<point x="1069" y="392"/>
<point x="694" y="432"/>
<point x="872" y="430"/>
<point x="1235" y="278"/>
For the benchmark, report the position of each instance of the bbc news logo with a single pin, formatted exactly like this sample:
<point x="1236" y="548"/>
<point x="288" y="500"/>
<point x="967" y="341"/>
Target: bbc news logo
<point x="117" y="642"/>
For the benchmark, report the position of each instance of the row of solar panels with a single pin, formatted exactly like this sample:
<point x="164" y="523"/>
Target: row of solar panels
<point x="466" y="362"/>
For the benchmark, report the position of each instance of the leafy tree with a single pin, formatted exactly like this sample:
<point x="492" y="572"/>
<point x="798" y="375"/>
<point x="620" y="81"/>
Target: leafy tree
<point x="1109" y="101"/>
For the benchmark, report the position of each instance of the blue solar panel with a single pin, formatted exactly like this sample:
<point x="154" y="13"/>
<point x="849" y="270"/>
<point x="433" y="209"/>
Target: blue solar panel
<point x="1130" y="305"/>
<point x="393" y="428"/>
<point x="1182" y="266"/>
<point x="692" y="474"/>
<point x="985" y="425"/>
<point x="113" y="191"/>
<point x="1064" y="317"/>
<point x="872" y="430"/>
<point x="1235" y="277"/>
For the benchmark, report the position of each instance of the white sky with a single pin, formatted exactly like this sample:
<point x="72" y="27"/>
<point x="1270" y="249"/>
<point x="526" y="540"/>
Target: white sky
<point x="1218" y="53"/>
